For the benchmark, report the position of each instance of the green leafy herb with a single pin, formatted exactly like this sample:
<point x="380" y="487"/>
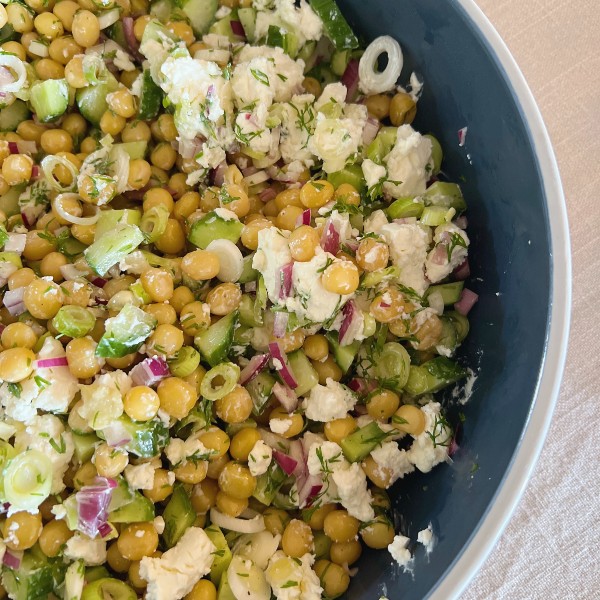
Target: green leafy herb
<point x="282" y="77"/>
<point x="245" y="138"/>
<point x="289" y="584"/>
<point x="60" y="448"/>
<point x="15" y="389"/>
<point x="260" y="76"/>
<point x="441" y="432"/>
<point x="328" y="263"/>
<point x="376" y="190"/>
<point x="41" y="382"/>
<point x="455" y="240"/>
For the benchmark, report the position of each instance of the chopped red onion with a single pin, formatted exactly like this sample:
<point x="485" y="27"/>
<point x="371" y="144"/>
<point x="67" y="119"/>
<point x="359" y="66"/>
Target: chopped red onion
<point x="466" y="302"/>
<point x="351" y="315"/>
<point x="439" y="256"/>
<point x="250" y="287"/>
<point x="13" y="301"/>
<point x="287" y="463"/>
<point x="280" y="323"/>
<point x="189" y="148"/>
<point x="304" y="218"/>
<point x="99" y="282"/>
<point x="104" y="530"/>
<point x="237" y="29"/>
<point x="285" y="280"/>
<point x="309" y="491"/>
<point x="35" y="172"/>
<point x="51" y="363"/>
<point x="22" y="147"/>
<point x="280" y="362"/>
<point x="257" y="363"/>
<point x="132" y="43"/>
<point x="370" y="131"/>
<point x="463" y="271"/>
<point x="462" y="136"/>
<point x="92" y="505"/>
<point x="360" y="409"/>
<point x="461" y="222"/>
<point x="15" y="242"/>
<point x="267" y="195"/>
<point x="12" y="559"/>
<point x="249" y="171"/>
<point x="296" y="451"/>
<point x="330" y="239"/>
<point x="286" y="396"/>
<point x="116" y="435"/>
<point x="350" y="79"/>
<point x="218" y="174"/>
<point x="362" y="386"/>
<point x="150" y="371"/>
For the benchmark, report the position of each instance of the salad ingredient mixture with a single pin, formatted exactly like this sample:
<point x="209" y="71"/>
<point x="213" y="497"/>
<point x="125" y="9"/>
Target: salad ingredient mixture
<point x="232" y="282"/>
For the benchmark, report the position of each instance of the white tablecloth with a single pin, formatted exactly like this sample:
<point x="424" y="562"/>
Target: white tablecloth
<point x="550" y="550"/>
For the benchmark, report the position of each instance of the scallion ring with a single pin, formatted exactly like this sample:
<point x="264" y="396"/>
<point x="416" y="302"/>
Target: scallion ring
<point x="372" y="81"/>
<point x="154" y="222"/>
<point x="228" y="373"/>
<point x="61" y="212"/>
<point x="185" y="362"/>
<point x="16" y="65"/>
<point x="28" y="480"/>
<point x="393" y="365"/>
<point x="49" y="163"/>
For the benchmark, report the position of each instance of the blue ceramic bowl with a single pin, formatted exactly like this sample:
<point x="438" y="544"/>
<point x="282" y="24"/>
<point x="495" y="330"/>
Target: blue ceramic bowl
<point x="520" y="263"/>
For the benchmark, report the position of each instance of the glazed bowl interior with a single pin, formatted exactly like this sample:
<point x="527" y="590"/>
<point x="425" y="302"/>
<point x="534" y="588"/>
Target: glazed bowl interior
<point x="511" y="270"/>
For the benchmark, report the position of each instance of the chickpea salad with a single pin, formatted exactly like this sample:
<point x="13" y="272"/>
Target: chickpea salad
<point x="232" y="280"/>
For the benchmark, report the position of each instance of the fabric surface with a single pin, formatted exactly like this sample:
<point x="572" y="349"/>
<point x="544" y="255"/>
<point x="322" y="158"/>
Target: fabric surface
<point x="550" y="547"/>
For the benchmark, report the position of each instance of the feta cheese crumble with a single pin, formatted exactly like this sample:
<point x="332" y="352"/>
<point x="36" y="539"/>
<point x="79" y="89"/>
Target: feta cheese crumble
<point x="259" y="458"/>
<point x="400" y="552"/>
<point x="330" y="401"/>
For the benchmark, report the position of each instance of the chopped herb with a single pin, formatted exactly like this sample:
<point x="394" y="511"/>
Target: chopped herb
<point x="455" y="240"/>
<point x="376" y="190"/>
<point x="289" y="584"/>
<point x="282" y="77"/>
<point x="474" y="468"/>
<point x="441" y="428"/>
<point x="328" y="263"/>
<point x="15" y="389"/>
<point x="260" y="76"/>
<point x="398" y="420"/>
<point x="245" y="138"/>
<point x="462" y="417"/>
<point x="60" y="448"/>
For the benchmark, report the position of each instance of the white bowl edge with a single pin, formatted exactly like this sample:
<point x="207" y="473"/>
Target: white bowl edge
<point x="511" y="490"/>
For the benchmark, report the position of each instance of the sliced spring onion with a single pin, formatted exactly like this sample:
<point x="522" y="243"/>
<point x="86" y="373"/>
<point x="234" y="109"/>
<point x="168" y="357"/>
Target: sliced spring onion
<point x="108" y="18"/>
<point x="93" y="68"/>
<point x="234" y="524"/>
<point x="28" y="480"/>
<point x="231" y="260"/>
<point x="229" y="373"/>
<point x="154" y="223"/>
<point x="73" y="321"/>
<point x="246" y="580"/>
<point x="38" y="49"/>
<point x="437" y="215"/>
<point x="393" y="364"/>
<point x="49" y="163"/>
<point x="57" y="204"/>
<point x="372" y="81"/>
<point x="185" y="362"/>
<point x="16" y="65"/>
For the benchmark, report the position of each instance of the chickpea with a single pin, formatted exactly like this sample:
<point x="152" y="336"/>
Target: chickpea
<point x="378" y="106"/>
<point x="48" y="25"/>
<point x="18" y="335"/>
<point x="326" y="369"/>
<point x="65" y="10"/>
<point x="217" y="440"/>
<point x="317" y="516"/>
<point x="380" y="476"/>
<point x="182" y="296"/>
<point x="289" y="197"/>
<point x="204" y="495"/>
<point x="372" y="255"/>
<point x="340" y="526"/>
<point x="62" y="50"/>
<point x="16" y="364"/>
<point x="162" y="487"/>
<point x="378" y="534"/>
<point x="303" y="242"/>
<point x="382" y="405"/>
<point x="172" y="241"/>
<point x="116" y="561"/>
<point x="192" y="472"/>
<point x="54" y="536"/>
<point x="249" y="237"/>
<point x="110" y="461"/>
<point x="341" y="278"/>
<point x="163" y="313"/>
<point x="16" y="168"/>
<point x="20" y="18"/>
<point x="51" y="264"/>
<point x="312" y="86"/>
<point x="315" y="194"/>
<point x="243" y="442"/>
<point x="186" y="205"/>
<point x="22" y="530"/>
<point x="81" y="355"/>
<point x="122" y="102"/>
<point x="428" y="335"/>
<point x="43" y="298"/>
<point x="228" y="505"/>
<point x="194" y="318"/>
<point x="203" y="590"/>
<point x="316" y="346"/>
<point x="165" y="340"/>
<point x="158" y="283"/>
<point x="136" y="131"/>
<point x="200" y="265"/>
<point x="224" y="298"/>
<point x="85" y="28"/>
<point x="137" y="540"/>
<point x="345" y="553"/>
<point x="112" y="123"/>
<point x="288" y="217"/>
<point x="21" y="278"/>
<point x="403" y="109"/>
<point x="236" y="481"/>
<point x="139" y="173"/>
<point x="276" y="520"/>
<point x="338" y="429"/>
<point x="177" y="397"/>
<point x="410" y="419"/>
<point x="234" y="407"/>
<point x="297" y="539"/>
<point x="334" y="578"/>
<point x="295" y="420"/>
<point x="390" y="305"/>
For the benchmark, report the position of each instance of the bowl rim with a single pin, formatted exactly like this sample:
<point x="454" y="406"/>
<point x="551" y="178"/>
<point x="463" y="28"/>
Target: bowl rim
<point x="512" y="487"/>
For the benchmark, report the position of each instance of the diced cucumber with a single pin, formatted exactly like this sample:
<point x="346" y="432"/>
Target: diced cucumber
<point x="112" y="247"/>
<point x="139" y="509"/>
<point x="150" y="98"/>
<point x="449" y="336"/>
<point x="91" y="100"/>
<point x="214" y="227"/>
<point x="303" y="371"/>
<point x="382" y="145"/>
<point x="108" y="587"/>
<point x="460" y="322"/>
<point x="201" y="14"/>
<point x="33" y="580"/>
<point x="405" y="207"/>
<point x="225" y="592"/>
<point x="339" y="61"/>
<point x="214" y="343"/>
<point x="269" y="483"/>
<point x="450" y="292"/>
<point x="94" y="573"/>
<point x="344" y="355"/>
<point x="247" y="17"/>
<point x="8" y="33"/>
<point x="49" y="99"/>
<point x="126" y="332"/>
<point x="178" y="516"/>
<point x="9" y="202"/>
<point x="359" y="444"/>
<point x="323" y="74"/>
<point x="162" y="10"/>
<point x="260" y="389"/>
<point x="336" y="27"/>
<point x="109" y="219"/>
<point x="248" y="273"/>
<point x="223" y="26"/>
<point x="437" y="154"/>
<point x="135" y="150"/>
<point x="433" y="376"/>
<point x="351" y="174"/>
<point x="222" y="554"/>
<point x="85" y="444"/>
<point x="248" y="315"/>
<point x="287" y="41"/>
<point x="373" y="279"/>
<point x="116" y="33"/>
<point x="148" y="438"/>
<point x="12" y="115"/>
<point x="448" y="195"/>
<point x="436" y="215"/>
